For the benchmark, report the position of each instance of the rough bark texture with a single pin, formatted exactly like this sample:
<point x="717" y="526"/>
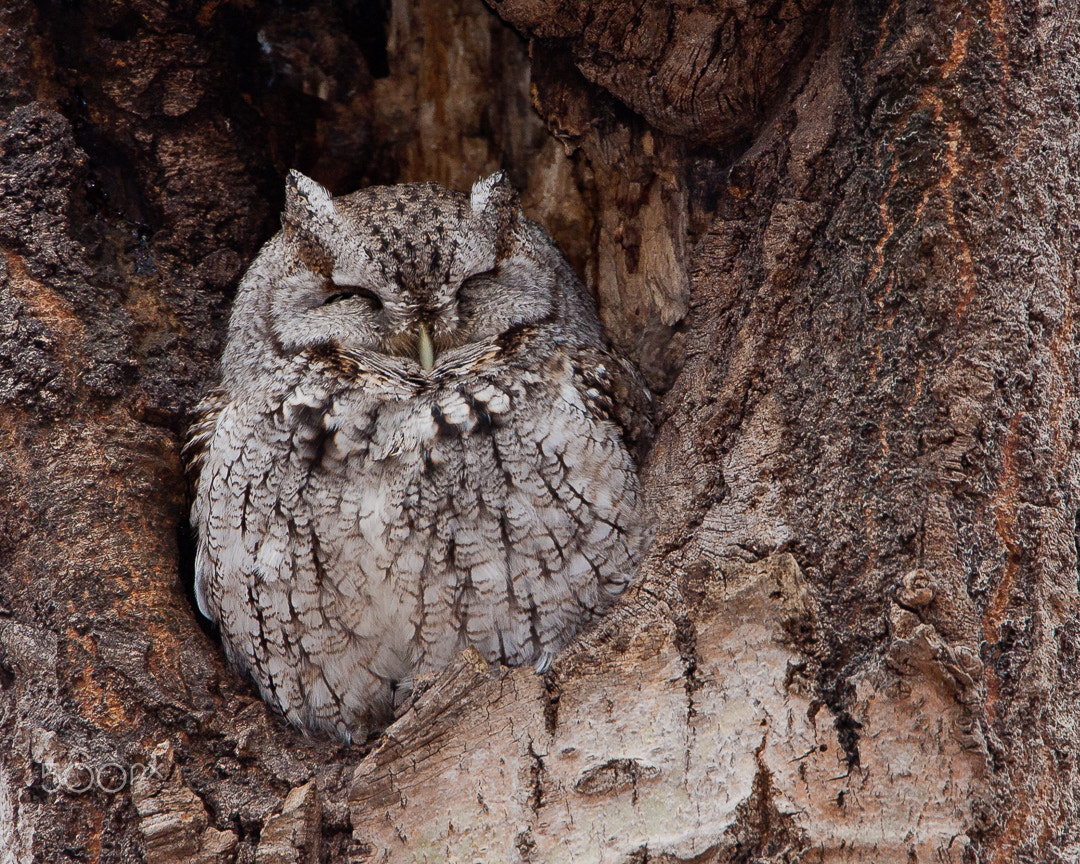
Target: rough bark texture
<point x="838" y="238"/>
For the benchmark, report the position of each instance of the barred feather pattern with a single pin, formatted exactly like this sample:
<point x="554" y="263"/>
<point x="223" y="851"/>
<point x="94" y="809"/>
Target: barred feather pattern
<point x="362" y="519"/>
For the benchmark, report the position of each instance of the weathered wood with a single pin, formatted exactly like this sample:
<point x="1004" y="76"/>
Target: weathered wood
<point x="641" y="743"/>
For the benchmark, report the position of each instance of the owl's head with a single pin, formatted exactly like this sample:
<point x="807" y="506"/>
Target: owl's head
<point x="412" y="271"/>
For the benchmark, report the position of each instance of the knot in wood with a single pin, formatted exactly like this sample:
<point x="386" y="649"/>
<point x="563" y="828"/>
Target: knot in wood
<point x="917" y="589"/>
<point x="615" y="775"/>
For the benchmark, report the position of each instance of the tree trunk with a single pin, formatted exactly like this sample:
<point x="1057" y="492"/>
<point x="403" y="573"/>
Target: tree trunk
<point x="837" y="238"/>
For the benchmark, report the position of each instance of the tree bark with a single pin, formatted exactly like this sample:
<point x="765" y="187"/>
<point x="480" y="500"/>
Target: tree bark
<point x="837" y="238"/>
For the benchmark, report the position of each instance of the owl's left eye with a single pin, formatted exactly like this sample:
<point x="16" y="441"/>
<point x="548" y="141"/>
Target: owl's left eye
<point x="344" y="292"/>
<point x="478" y="279"/>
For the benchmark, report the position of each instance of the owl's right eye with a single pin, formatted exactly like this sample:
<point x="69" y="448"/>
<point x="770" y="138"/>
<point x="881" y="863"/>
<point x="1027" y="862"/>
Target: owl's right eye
<point x="344" y="292"/>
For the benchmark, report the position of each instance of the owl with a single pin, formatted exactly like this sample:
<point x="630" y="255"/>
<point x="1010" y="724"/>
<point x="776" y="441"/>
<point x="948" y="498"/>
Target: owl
<point x="420" y="442"/>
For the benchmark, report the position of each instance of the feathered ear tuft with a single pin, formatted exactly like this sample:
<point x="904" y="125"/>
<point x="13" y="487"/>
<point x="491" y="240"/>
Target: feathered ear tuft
<point x="492" y="193"/>
<point x="305" y="199"/>
<point x="495" y="202"/>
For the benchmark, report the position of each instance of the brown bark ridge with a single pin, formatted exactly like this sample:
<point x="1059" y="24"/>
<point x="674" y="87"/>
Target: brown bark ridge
<point x="838" y="238"/>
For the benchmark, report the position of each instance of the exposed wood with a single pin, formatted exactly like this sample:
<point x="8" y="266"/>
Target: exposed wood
<point x="654" y="739"/>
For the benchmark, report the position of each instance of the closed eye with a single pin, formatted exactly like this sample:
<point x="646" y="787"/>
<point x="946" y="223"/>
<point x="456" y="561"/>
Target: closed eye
<point x="479" y="278"/>
<point x="344" y="292"/>
<point x="478" y="282"/>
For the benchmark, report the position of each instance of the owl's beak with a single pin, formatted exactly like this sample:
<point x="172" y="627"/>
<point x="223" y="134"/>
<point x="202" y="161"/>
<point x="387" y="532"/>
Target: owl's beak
<point x="424" y="347"/>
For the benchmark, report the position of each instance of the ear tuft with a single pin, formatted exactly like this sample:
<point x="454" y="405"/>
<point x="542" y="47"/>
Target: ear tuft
<point x="491" y="192"/>
<point x="305" y="199"/>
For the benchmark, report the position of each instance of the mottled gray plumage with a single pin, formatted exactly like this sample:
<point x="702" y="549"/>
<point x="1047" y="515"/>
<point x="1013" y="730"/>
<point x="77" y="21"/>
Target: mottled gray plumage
<point x="418" y="444"/>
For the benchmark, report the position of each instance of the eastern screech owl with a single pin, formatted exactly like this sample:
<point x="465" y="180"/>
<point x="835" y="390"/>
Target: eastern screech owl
<point x="419" y="443"/>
